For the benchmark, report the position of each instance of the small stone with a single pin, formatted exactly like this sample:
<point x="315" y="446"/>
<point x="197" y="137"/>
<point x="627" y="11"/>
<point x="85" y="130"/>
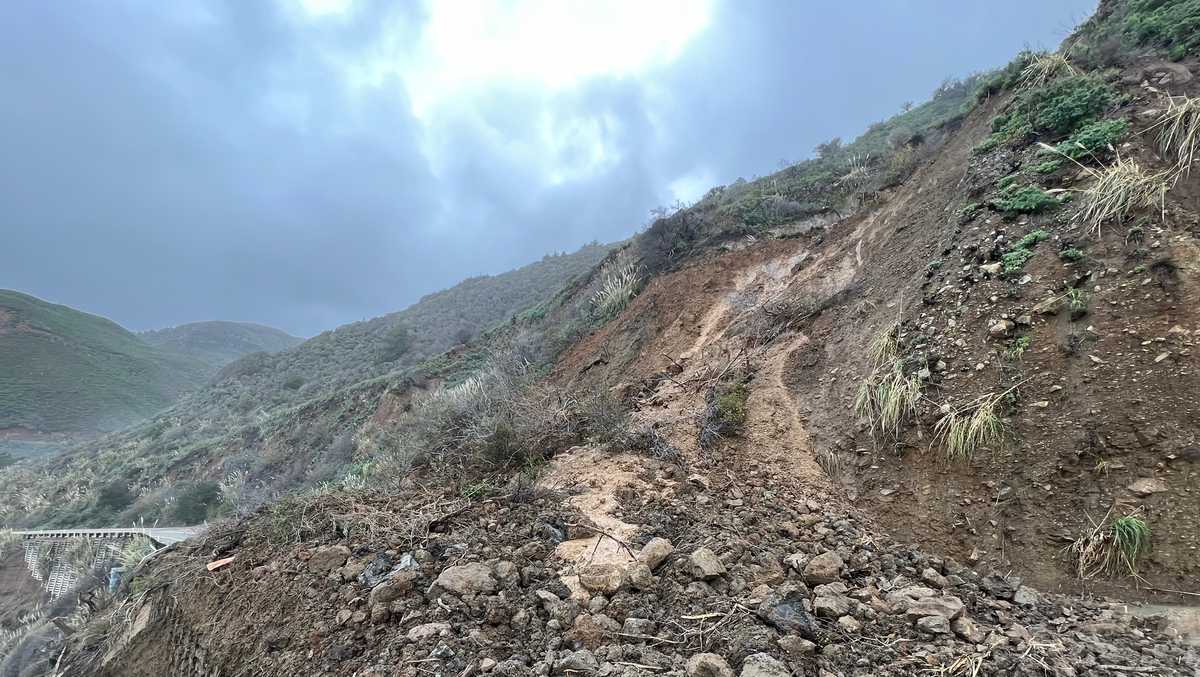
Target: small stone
<point x="467" y="578"/>
<point x="707" y="665"/>
<point x="764" y="665"/>
<point x="1001" y="329"/>
<point x="426" y="631"/>
<point x="849" y="624"/>
<point x="1026" y="596"/>
<point x="487" y="665"/>
<point x="577" y="662"/>
<point x="328" y="558"/>
<point x="655" y="552"/>
<point x="934" y="625"/>
<point x="967" y="629"/>
<point x="787" y="612"/>
<point x="797" y="646"/>
<point x="991" y="268"/>
<point x="824" y="568"/>
<point x="393" y="588"/>
<point x="705" y="565"/>
<point x="605" y="579"/>
<point x="1024" y="320"/>
<point x="640" y="577"/>
<point x="1161" y="357"/>
<point x="1146" y="486"/>
<point x="831" y="606"/>
<point x="932" y="577"/>
<point x="948" y="607"/>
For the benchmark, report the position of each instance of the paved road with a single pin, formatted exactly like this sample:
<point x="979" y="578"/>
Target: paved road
<point x="163" y="536"/>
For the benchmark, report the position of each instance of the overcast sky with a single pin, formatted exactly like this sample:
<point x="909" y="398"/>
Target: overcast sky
<point x="306" y="163"/>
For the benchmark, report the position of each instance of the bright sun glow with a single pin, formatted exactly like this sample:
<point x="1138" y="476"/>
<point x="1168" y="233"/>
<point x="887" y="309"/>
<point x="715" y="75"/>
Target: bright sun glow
<point x="550" y="43"/>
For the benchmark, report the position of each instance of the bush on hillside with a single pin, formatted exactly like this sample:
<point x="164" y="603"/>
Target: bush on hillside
<point x="1053" y="110"/>
<point x="1171" y="24"/>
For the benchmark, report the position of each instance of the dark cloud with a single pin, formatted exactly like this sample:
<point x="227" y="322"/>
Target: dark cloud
<point x="168" y="162"/>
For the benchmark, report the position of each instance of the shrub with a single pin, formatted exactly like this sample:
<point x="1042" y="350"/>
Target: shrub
<point x="193" y="501"/>
<point x="1025" y="200"/>
<point x="293" y="382"/>
<point x="1055" y="109"/>
<point x="114" y="496"/>
<point x="396" y="343"/>
<point x="1174" y="25"/>
<point x="1071" y="254"/>
<point x="1094" y="139"/>
<point x="1048" y="166"/>
<point x="1018" y="255"/>
<point x="1003" y="78"/>
<point x="725" y="413"/>
<point x="1077" y="303"/>
<point x="1017" y="349"/>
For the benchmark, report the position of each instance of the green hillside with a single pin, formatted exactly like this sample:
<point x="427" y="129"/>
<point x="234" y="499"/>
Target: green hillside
<point x="62" y="370"/>
<point x="218" y="343"/>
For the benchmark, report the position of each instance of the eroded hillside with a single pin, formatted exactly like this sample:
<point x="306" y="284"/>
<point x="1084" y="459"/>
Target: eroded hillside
<point x="928" y="411"/>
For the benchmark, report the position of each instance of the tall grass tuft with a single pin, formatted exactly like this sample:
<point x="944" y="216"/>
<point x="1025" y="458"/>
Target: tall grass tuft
<point x="1179" y="132"/>
<point x="618" y="289"/>
<point x="1044" y="67"/>
<point x="965" y="431"/>
<point x="1111" y="548"/>
<point x="133" y="552"/>
<point x="1121" y="188"/>
<point x="887" y="397"/>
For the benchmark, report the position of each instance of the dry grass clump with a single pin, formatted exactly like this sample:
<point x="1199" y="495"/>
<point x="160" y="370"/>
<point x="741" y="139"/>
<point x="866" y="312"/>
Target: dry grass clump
<point x="1111" y="548"/>
<point x="1179" y="132"/>
<point x="1121" y="188"/>
<point x="1044" y="67"/>
<point x="965" y="431"/>
<point x="888" y="396"/>
<point x="136" y="550"/>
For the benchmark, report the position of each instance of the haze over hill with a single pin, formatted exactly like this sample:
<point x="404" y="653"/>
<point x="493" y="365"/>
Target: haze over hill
<point x="217" y="343"/>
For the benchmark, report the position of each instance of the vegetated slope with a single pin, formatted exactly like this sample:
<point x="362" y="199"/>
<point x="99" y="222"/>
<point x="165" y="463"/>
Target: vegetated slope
<point x="274" y="422"/>
<point x="217" y="343"/>
<point x="65" y="370"/>
<point x="710" y="523"/>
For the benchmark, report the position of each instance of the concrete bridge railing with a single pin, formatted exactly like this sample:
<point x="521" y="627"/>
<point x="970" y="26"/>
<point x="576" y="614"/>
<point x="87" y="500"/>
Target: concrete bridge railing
<point x="44" y="550"/>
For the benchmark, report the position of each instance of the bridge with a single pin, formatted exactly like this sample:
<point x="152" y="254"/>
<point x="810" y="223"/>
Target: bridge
<point x="43" y="550"/>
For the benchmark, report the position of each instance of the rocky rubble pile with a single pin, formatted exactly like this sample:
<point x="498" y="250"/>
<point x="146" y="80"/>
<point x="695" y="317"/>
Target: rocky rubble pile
<point x="768" y="587"/>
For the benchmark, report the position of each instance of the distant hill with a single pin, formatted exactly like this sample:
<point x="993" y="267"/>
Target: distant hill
<point x="218" y="343"/>
<point x="63" y="370"/>
<point x="438" y="321"/>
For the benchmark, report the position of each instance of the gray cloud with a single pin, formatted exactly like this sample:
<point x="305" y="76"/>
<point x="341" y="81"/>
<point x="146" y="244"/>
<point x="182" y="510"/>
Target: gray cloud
<point x="168" y="162"/>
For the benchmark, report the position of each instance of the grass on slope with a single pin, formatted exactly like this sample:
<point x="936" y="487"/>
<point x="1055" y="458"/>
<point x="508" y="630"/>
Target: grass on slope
<point x="65" y="370"/>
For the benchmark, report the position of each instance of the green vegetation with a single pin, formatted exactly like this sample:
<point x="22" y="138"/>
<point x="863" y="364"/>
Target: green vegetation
<point x="618" y="289"/>
<point x="888" y="394"/>
<point x="1054" y="110"/>
<point x="1004" y="78"/>
<point x="1093" y="140"/>
<point x="726" y="411"/>
<point x="1015" y="258"/>
<point x="65" y="370"/>
<point x="1171" y="24"/>
<point x="395" y="345"/>
<point x="1048" y="166"/>
<point x="1017" y="350"/>
<point x="1071" y="254"/>
<point x="1112" y="548"/>
<point x="1027" y="199"/>
<point x="193" y="502"/>
<point x="1077" y="303"/>
<point x="216" y="344"/>
<point x="969" y="212"/>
